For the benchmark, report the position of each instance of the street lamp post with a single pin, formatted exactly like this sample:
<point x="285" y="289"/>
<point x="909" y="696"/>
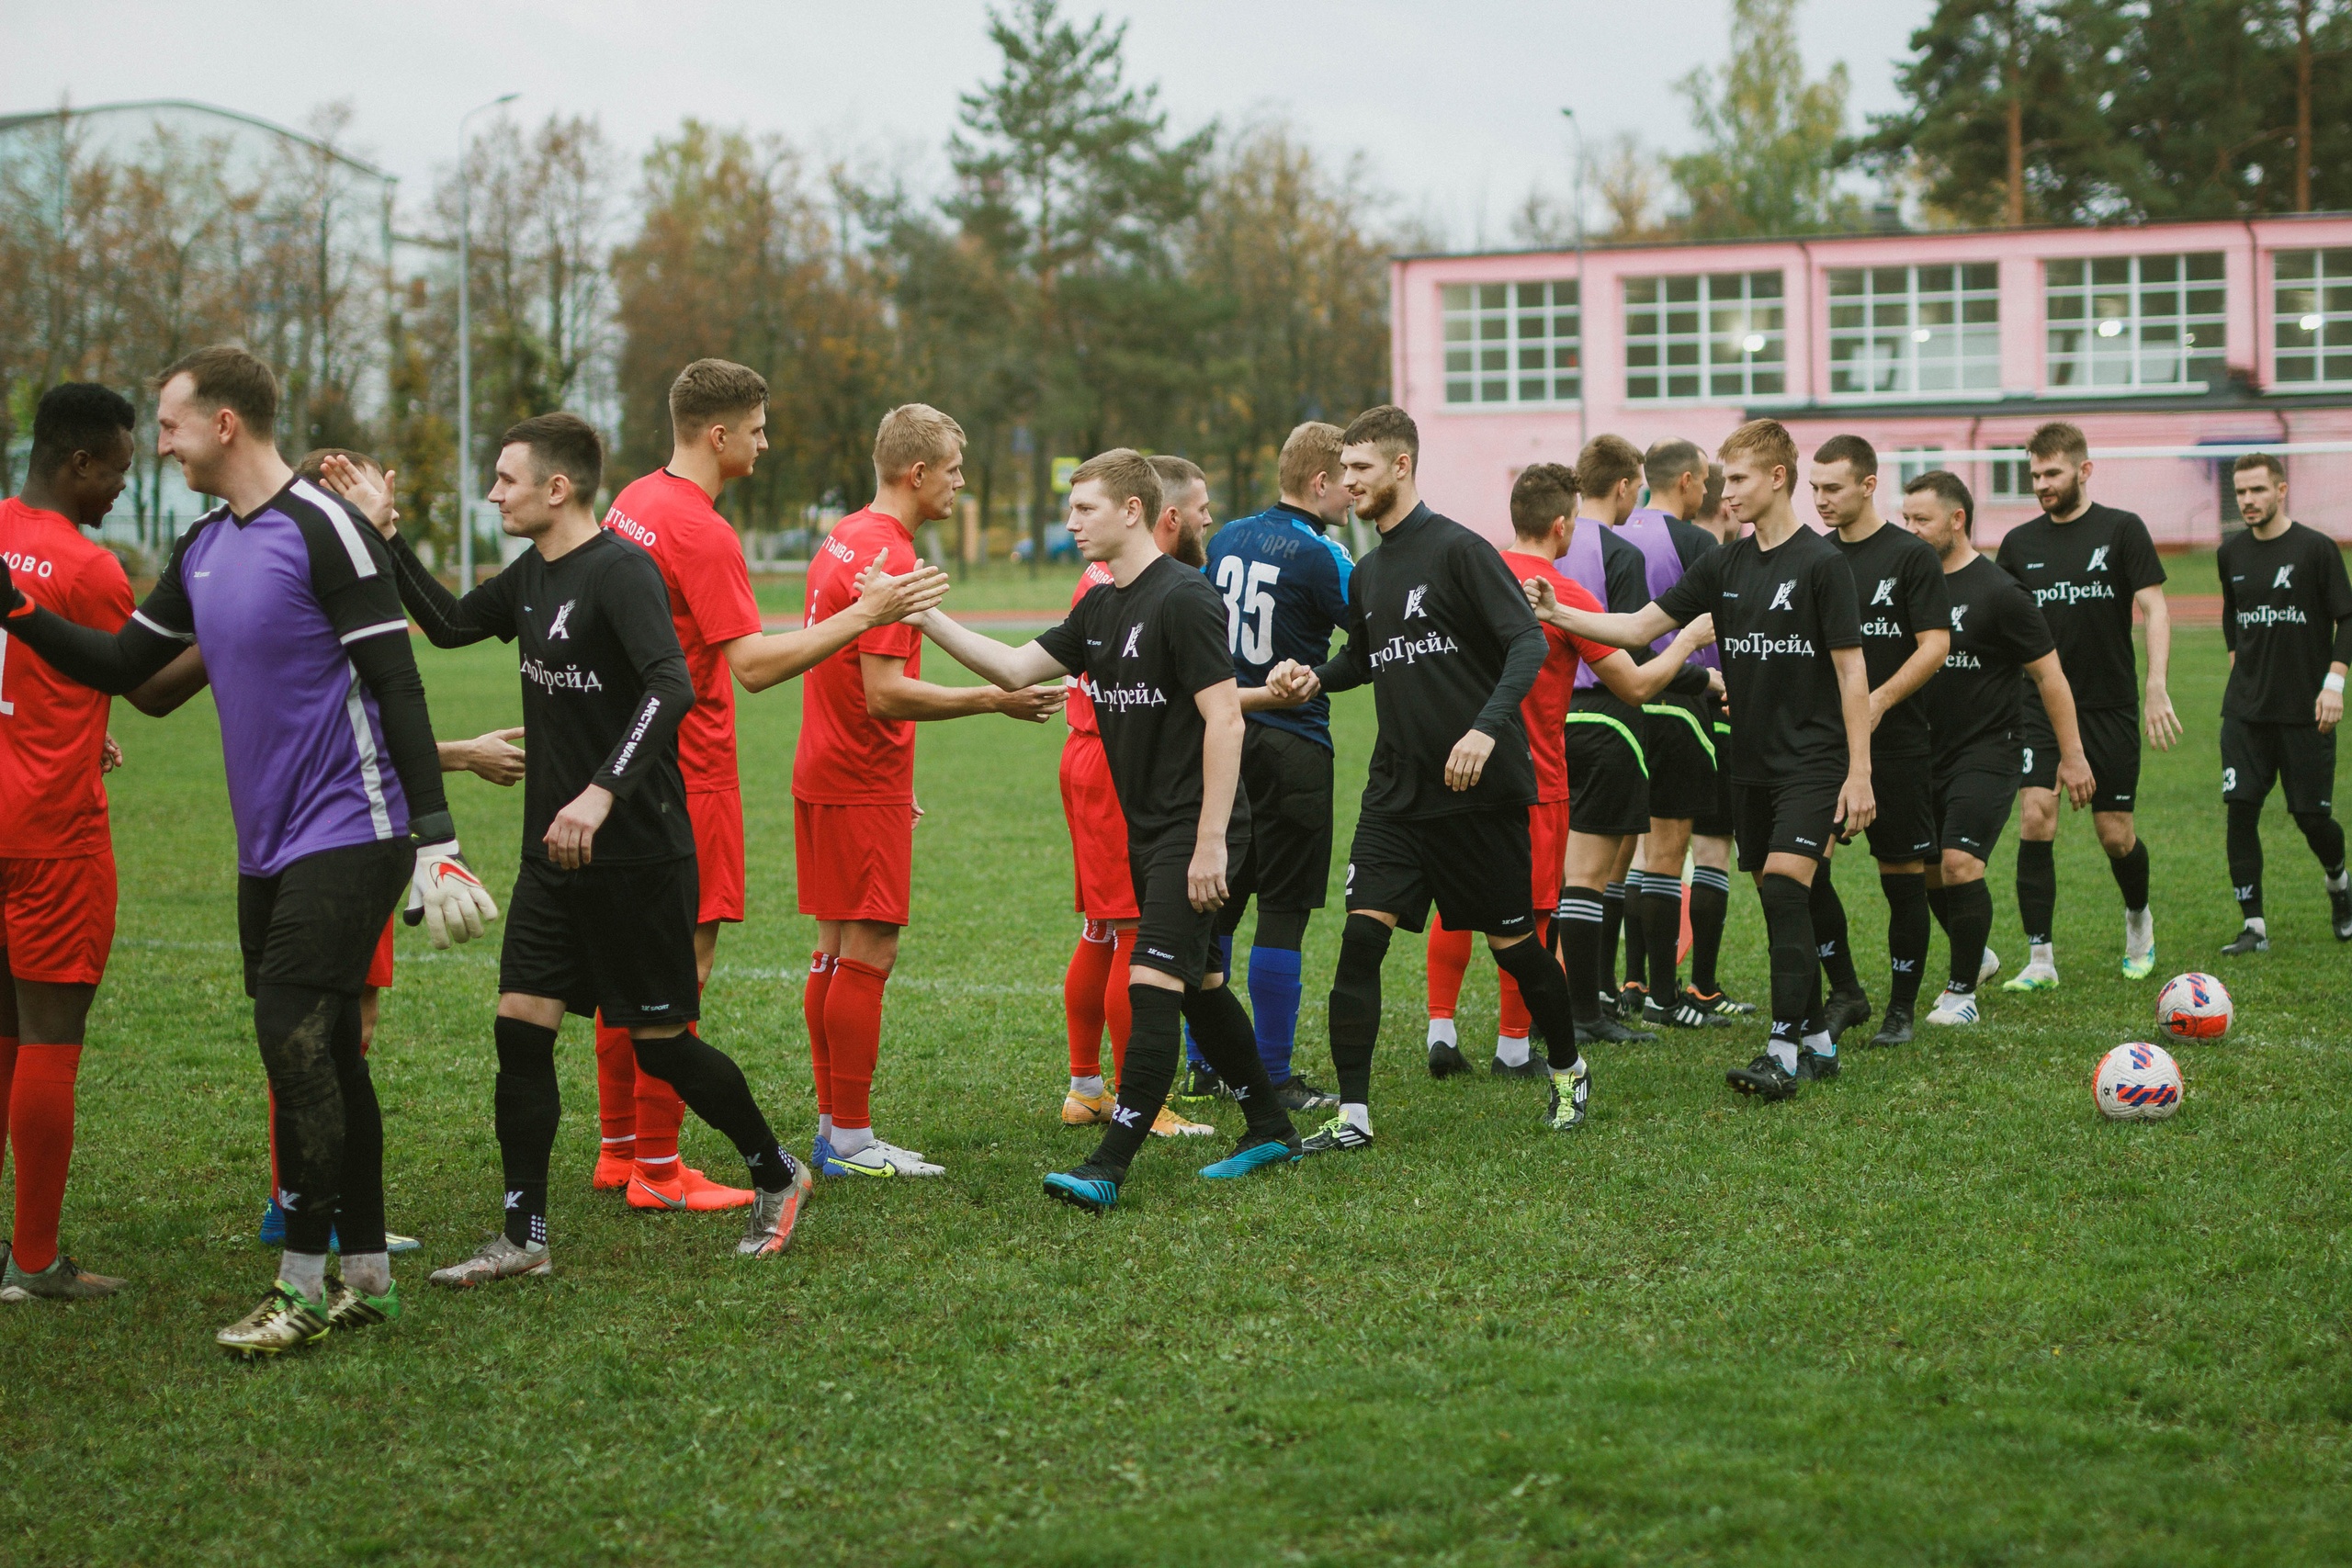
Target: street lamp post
<point x="1582" y="306"/>
<point x="464" y="349"/>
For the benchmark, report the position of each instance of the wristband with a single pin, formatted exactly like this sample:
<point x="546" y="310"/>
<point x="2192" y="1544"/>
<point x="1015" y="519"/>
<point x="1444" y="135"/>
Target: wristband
<point x="2333" y="683"/>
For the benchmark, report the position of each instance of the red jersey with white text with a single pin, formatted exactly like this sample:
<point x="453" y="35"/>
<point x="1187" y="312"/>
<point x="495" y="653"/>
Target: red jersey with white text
<point x="1544" y="709"/>
<point x="1079" y="706"/>
<point x="54" y="730"/>
<point x="846" y="756"/>
<point x="710" y="605"/>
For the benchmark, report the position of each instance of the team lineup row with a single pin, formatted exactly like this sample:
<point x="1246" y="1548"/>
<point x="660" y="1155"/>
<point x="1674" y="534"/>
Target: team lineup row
<point x="1622" y="684"/>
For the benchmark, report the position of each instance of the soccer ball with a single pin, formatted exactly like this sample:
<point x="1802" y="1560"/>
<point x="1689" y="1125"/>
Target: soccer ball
<point x="2194" y="1006"/>
<point x="2137" y="1083"/>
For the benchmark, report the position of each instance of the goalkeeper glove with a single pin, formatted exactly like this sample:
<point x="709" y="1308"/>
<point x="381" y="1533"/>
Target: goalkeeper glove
<point x="446" y="897"/>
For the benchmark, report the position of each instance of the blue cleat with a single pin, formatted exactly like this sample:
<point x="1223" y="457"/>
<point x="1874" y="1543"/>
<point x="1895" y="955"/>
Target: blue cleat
<point x="821" y="1158"/>
<point x="1089" y="1188"/>
<point x="1252" y="1157"/>
<point x="273" y="1225"/>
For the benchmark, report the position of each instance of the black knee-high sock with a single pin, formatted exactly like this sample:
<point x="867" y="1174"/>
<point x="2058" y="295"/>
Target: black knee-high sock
<point x="2324" y="834"/>
<point x="1579" y="925"/>
<point x="1662" y="931"/>
<point x="1970" y="927"/>
<point x="2242" y="837"/>
<point x="528" y="1106"/>
<point x="1612" y="919"/>
<point x="1796" y="964"/>
<point x="359" y="1209"/>
<point x="714" y="1089"/>
<point x="2132" y="875"/>
<point x="1545" y="989"/>
<point x="1355" y="1005"/>
<point x="1830" y="935"/>
<point x="1709" y="905"/>
<point x="1154" y="1041"/>
<point x="1637" y="966"/>
<point x="2037" y="888"/>
<point x="1221" y="1025"/>
<point x="1906" y="934"/>
<point x="295" y="1027"/>
<point x="1940" y="906"/>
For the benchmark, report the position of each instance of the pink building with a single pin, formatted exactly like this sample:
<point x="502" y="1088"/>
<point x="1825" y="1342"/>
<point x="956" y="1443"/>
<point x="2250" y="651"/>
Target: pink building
<point x="1942" y="349"/>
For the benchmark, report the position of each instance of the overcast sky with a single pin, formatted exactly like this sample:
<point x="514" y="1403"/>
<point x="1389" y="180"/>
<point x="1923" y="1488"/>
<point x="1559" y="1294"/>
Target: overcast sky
<point x="1456" y="104"/>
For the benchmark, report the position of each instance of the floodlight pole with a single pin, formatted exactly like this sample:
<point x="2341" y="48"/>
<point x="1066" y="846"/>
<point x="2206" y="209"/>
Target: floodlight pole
<point x="1583" y="307"/>
<point x="464" y="349"/>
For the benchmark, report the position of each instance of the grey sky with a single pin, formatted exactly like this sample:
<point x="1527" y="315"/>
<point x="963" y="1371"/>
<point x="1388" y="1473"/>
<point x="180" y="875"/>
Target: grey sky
<point x="1455" y="105"/>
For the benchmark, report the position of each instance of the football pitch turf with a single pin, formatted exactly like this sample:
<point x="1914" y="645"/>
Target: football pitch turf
<point x="1934" y="1312"/>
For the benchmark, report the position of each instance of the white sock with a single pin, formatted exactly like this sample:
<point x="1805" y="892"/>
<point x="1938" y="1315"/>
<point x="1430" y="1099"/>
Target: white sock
<point x="825" y="1128"/>
<point x="1784" y="1052"/>
<point x="2340" y="881"/>
<point x="849" y="1140"/>
<point x="1568" y="1073"/>
<point x="1357" y="1116"/>
<point x="2046" y="955"/>
<point x="1087" y="1088"/>
<point x="369" y="1273"/>
<point x="2254" y="924"/>
<point x="1511" y="1050"/>
<point x="305" y="1272"/>
<point x="1820" y="1044"/>
<point x="1441" y="1032"/>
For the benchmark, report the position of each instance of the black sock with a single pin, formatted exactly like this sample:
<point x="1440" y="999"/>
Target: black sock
<point x="360" y="1204"/>
<point x="1662" y="932"/>
<point x="1221" y="1026"/>
<point x="2037" y="888"/>
<point x="2242" y="837"/>
<point x="528" y="1106"/>
<point x="295" y="1026"/>
<point x="2324" y="834"/>
<point x="1906" y="934"/>
<point x="1971" y="927"/>
<point x="1612" y="919"/>
<point x="1939" y="905"/>
<point x="1709" y="905"/>
<point x="1546" y="991"/>
<point x="714" y="1089"/>
<point x="2132" y="875"/>
<point x="1580" y="924"/>
<point x="1637" y="966"/>
<point x="1796" y="965"/>
<point x="1829" y="938"/>
<point x="1154" y="1041"/>
<point x="1355" y="1005"/>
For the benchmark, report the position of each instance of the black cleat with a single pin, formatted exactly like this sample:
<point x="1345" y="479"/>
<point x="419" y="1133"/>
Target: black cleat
<point x="1607" y="1031"/>
<point x="2247" y="941"/>
<point x="1338" y="1136"/>
<point x="1814" y="1067"/>
<point x="1893" y="1028"/>
<point x="1693" y="1010"/>
<point x="1533" y="1068"/>
<point x="1655" y="1018"/>
<point x="1199" y="1084"/>
<point x="1721" y="1006"/>
<point x="2340" y="912"/>
<point x="1295" y="1093"/>
<point x="1844" y="1010"/>
<point x="1446" y="1059"/>
<point x="1630" y="1002"/>
<point x="1763" y="1077"/>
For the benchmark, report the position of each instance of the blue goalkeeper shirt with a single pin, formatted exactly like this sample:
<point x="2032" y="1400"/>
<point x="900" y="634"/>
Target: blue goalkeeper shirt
<point x="1286" y="590"/>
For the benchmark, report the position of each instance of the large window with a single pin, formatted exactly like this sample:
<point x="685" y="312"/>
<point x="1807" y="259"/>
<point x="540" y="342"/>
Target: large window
<point x="2122" y="323"/>
<point x="1717" y="334"/>
<point x="2312" y="304"/>
<point x="1512" y="343"/>
<point x="1909" y="332"/>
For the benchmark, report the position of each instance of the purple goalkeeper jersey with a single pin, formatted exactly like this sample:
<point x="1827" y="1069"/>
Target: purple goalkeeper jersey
<point x="275" y="600"/>
<point x="1664" y="558"/>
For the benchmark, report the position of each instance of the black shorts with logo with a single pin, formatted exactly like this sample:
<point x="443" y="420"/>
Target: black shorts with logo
<point x="316" y="923"/>
<point x="1720" y="819"/>
<point x="2254" y="756"/>
<point x="613" y="938"/>
<point x="1288" y="779"/>
<point x="1609" y="781"/>
<point x="1171" y="935"/>
<point x="1797" y="816"/>
<point x="1904" y="827"/>
<point x="1477" y="866"/>
<point x="1682" y="758"/>
<point x="2110" y="742"/>
<point x="1972" y="799"/>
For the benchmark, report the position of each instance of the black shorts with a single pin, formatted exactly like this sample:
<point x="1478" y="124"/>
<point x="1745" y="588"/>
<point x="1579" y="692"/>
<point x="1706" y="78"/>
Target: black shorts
<point x="1171" y="935"/>
<point x="1972" y="805"/>
<point x="1797" y="817"/>
<point x="1720" y="819"/>
<point x="2110" y="741"/>
<point x="1288" y="779"/>
<point x="1475" y="865"/>
<point x="1682" y="761"/>
<point x="1608" y="781"/>
<point x="618" y="939"/>
<point x="1904" y="827"/>
<point x="317" y="922"/>
<point x="2296" y="755"/>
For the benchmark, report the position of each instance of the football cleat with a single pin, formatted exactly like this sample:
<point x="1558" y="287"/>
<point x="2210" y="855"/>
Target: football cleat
<point x="2139" y="944"/>
<point x="1533" y="1068"/>
<point x="1990" y="967"/>
<point x="688" y="1191"/>
<point x="1566" y="1113"/>
<point x="1088" y="1110"/>
<point x="1446" y="1059"/>
<point x="1722" y="1005"/>
<point x="273" y="1225"/>
<point x="2033" y="977"/>
<point x="348" y="1309"/>
<point x="1816" y="1066"/>
<point x="821" y="1158"/>
<point x="1631" y="999"/>
<point x="1295" y="1094"/>
<point x="1254" y="1155"/>
<point x="774" y="1215"/>
<point x="1200" y="1082"/>
<point x="1337" y="1135"/>
<point x="613" y="1170"/>
<point x="63" y="1281"/>
<point x="285" y="1321"/>
<point x="496" y="1259"/>
<point x="1607" y="1031"/>
<point x="2247" y="941"/>
<point x="1168" y="1124"/>
<point x="1089" y="1188"/>
<point x="1656" y="1017"/>
<point x="2339" y="911"/>
<point x="1953" y="1008"/>
<point x="881" y="1159"/>
<point x="1894" y="1028"/>
<point x="1846" y="1010"/>
<point x="1763" y="1077"/>
<point x="1693" y="1010"/>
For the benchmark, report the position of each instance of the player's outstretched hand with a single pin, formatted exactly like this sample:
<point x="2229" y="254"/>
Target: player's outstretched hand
<point x="1204" y="878"/>
<point x="1857" y="807"/>
<point x="884" y="599"/>
<point x="2163" y="723"/>
<point x="2074" y="780"/>
<point x="571" y="837"/>
<point x="1035" y="704"/>
<point x="111" y="757"/>
<point x="1539" y="597"/>
<point x="444" y="894"/>
<point x="371" y="494"/>
<point x="492" y="756"/>
<point x="1291" y="682"/>
<point x="1467" y="762"/>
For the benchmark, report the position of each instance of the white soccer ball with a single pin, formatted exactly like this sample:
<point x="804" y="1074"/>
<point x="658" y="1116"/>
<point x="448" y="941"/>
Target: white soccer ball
<point x="2194" y="1006"/>
<point x="2138" y="1082"/>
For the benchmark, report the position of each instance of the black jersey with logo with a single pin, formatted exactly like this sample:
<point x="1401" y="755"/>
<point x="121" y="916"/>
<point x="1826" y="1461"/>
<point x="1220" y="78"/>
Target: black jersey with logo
<point x="1975" y="703"/>
<point x="2083" y="574"/>
<point x="605" y="684"/>
<point x="1148" y="649"/>
<point x="2286" y="615"/>
<point x="1779" y="614"/>
<point x="1900" y="583"/>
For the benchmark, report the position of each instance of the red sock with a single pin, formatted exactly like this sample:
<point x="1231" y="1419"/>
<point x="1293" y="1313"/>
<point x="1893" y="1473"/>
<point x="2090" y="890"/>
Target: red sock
<point x="854" y="1036"/>
<point x="617" y="1089"/>
<point x="813" y="998"/>
<point x="660" y="1113"/>
<point x="1117" y="1013"/>
<point x="1516" y="1020"/>
<point x="1448" y="960"/>
<point x="41" y="1120"/>
<point x="1084" y="1003"/>
<point x="7" y="1074"/>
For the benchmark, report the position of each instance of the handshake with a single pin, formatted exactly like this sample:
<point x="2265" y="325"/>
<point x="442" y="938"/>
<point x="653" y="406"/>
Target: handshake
<point x="1290" y="683"/>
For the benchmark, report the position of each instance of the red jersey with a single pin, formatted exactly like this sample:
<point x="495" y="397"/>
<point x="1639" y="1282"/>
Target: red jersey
<point x="54" y="730"/>
<point x="846" y="756"/>
<point x="1544" y="709"/>
<point x="710" y="604"/>
<point x="1079" y="706"/>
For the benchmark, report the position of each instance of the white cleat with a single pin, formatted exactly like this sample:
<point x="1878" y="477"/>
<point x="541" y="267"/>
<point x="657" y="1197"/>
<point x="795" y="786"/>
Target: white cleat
<point x="2033" y="977"/>
<point x="1990" y="967"/>
<point x="2139" y="944"/>
<point x="879" y="1159"/>
<point x="496" y="1259"/>
<point x="1953" y="1008"/>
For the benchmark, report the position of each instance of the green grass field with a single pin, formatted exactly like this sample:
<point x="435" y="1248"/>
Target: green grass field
<point x="1936" y="1312"/>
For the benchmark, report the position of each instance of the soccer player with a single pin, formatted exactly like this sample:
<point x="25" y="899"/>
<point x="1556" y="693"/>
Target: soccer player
<point x="1439" y="629"/>
<point x="854" y="784"/>
<point x="602" y="917"/>
<point x="1699" y="489"/>
<point x="1543" y="509"/>
<point x="1974" y="707"/>
<point x="719" y="415"/>
<point x="1284" y="581"/>
<point x="1906" y="636"/>
<point x="1789" y="630"/>
<point x="1152" y="646"/>
<point x="2287" y="617"/>
<point x="2088" y="566"/>
<point x="308" y="653"/>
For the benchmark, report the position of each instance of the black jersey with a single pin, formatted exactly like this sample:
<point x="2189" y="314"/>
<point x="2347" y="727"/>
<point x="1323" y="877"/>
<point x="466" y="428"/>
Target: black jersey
<point x="1147" y="650"/>
<point x="1974" y="703"/>
<point x="2286" y="615"/>
<point x="605" y="684"/>
<point x="1779" y="614"/>
<point x="1900" y="583"/>
<point x="1445" y="637"/>
<point x="2083" y="574"/>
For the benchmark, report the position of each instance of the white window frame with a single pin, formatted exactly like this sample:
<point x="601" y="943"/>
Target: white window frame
<point x="2119" y="291"/>
<point x="1703" y="324"/>
<point x="1906" y="329"/>
<point x="1524" y="322"/>
<point x="2311" y="318"/>
<point x="2020" y="468"/>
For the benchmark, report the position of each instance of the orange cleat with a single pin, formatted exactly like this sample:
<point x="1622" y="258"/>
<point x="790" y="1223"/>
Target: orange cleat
<point x="688" y="1190"/>
<point x="612" y="1171"/>
<point x="1088" y="1110"/>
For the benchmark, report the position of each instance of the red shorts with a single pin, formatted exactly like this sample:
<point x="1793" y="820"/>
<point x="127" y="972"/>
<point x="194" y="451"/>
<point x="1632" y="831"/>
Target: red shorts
<point x="718" y="819"/>
<point x="1547" y="843"/>
<point x="379" y="969"/>
<point x="855" y="863"/>
<point x="57" y="918"/>
<point x="1098" y="830"/>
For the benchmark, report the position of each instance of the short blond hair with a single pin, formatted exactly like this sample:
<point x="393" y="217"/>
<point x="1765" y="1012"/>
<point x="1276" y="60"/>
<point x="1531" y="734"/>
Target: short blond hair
<point x="911" y="433"/>
<point x="1123" y="473"/>
<point x="1313" y="448"/>
<point x="1767" y="440"/>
